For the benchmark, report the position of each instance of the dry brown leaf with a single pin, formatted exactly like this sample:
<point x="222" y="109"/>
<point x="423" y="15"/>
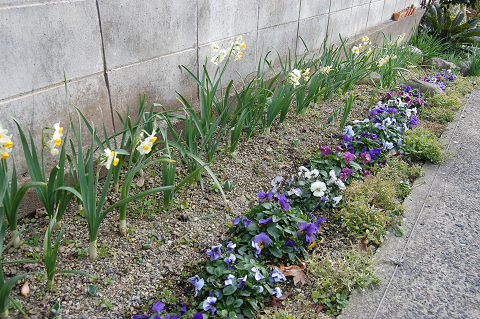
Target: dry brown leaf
<point x="295" y="272"/>
<point x="277" y="302"/>
<point x="362" y="245"/>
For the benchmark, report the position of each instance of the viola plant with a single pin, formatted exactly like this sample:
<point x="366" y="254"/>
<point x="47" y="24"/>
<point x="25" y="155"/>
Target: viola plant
<point x="413" y="97"/>
<point x="274" y="231"/>
<point x="235" y="283"/>
<point x="442" y="79"/>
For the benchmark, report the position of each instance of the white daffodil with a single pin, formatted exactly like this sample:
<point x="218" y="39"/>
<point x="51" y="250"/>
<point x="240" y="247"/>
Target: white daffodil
<point x="145" y="147"/>
<point x="305" y="74"/>
<point x="318" y="188"/>
<point x="237" y="46"/>
<point x="5" y="143"/>
<point x="219" y="56"/>
<point x="294" y="77"/>
<point x="215" y="47"/>
<point x="110" y="157"/>
<point x="369" y="51"/>
<point x="365" y="40"/>
<point x="56" y="139"/>
<point x="152" y="137"/>
<point x="356" y="50"/>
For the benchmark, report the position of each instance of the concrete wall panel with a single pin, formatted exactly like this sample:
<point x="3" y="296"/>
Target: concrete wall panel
<point x="138" y="30"/>
<point x="279" y="38"/>
<point x="360" y="2"/>
<point x="223" y="19"/>
<point x="360" y="16"/>
<point x="375" y="13"/>
<point x="340" y="23"/>
<point x="275" y="12"/>
<point x="35" y="111"/>
<point x="388" y="10"/>
<point x="157" y="78"/>
<point x="40" y="41"/>
<point x="339" y="5"/>
<point x="313" y="31"/>
<point x="311" y="8"/>
<point x="401" y="4"/>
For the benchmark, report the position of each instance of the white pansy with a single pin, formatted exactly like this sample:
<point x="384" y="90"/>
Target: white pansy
<point x="333" y="177"/>
<point x="340" y="184"/>
<point x="318" y="188"/>
<point x="312" y="174"/>
<point x="349" y="131"/>
<point x="337" y="200"/>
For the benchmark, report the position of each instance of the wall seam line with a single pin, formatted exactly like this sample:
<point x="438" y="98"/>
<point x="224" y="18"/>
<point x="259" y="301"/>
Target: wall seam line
<point x="198" y="51"/>
<point x="105" y="73"/>
<point x="298" y="27"/>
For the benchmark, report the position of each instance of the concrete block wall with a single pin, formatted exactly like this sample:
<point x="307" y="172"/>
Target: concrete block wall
<point x="111" y="51"/>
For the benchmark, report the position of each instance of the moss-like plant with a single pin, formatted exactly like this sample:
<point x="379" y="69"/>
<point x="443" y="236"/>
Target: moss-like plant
<point x="423" y="145"/>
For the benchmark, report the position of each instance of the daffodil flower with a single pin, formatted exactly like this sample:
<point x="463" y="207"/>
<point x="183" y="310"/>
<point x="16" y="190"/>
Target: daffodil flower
<point x="294" y="77"/>
<point x="356" y="50"/>
<point x="110" y="157"/>
<point x="5" y="143"/>
<point x="56" y="139"/>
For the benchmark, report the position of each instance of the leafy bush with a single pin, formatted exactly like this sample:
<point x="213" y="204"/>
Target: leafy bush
<point x="339" y="275"/>
<point x="422" y="144"/>
<point x="399" y="173"/>
<point x="437" y="114"/>
<point x="453" y="32"/>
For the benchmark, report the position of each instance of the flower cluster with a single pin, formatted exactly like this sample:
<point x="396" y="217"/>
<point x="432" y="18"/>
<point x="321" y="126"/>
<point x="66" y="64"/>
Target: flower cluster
<point x="5" y="143"/>
<point x="363" y="45"/>
<point x="295" y="76"/>
<point x="325" y="69"/>
<point x="54" y="140"/>
<point x="383" y="60"/>
<point x="413" y="97"/>
<point x="146" y="146"/>
<point x="235" y="49"/>
<point x="442" y="79"/>
<point x="109" y="157"/>
<point x="234" y="282"/>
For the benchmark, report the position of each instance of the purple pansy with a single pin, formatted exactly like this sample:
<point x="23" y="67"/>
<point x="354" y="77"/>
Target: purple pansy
<point x="284" y="202"/>
<point x="208" y="304"/>
<point x="348" y="157"/>
<point x="242" y="283"/>
<point x="229" y="280"/>
<point x="265" y="196"/>
<point x="214" y="252"/>
<point x="158" y="307"/>
<point x="265" y="221"/>
<point x="197" y="282"/>
<point x="289" y="243"/>
<point x="306" y="228"/>
<point x="258" y="275"/>
<point x="276" y="275"/>
<point x="320" y="222"/>
<point x="278" y="292"/>
<point x="231" y="246"/>
<point x="325" y="150"/>
<point x="230" y="260"/>
<point x="236" y="221"/>
<point x="247" y="222"/>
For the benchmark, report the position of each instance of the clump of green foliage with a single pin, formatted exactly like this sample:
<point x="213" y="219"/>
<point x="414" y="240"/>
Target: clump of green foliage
<point x="371" y="206"/>
<point x="336" y="276"/>
<point x="475" y="63"/>
<point x="437" y="114"/>
<point x="423" y="145"/>
<point x="400" y="173"/>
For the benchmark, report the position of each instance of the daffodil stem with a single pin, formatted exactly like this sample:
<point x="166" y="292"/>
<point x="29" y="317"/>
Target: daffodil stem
<point x="92" y="250"/>
<point x="140" y="173"/>
<point x="16" y="241"/>
<point x="267" y="130"/>
<point x="58" y="224"/>
<point x="117" y="187"/>
<point x="4" y="314"/>
<point x="123" y="226"/>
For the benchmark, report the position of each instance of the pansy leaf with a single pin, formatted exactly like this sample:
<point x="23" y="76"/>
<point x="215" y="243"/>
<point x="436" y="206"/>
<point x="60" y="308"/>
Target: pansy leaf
<point x="270" y="291"/>
<point x="232" y="314"/>
<point x="356" y="165"/>
<point x="230" y="300"/>
<point x="287" y="249"/>
<point x="275" y="218"/>
<point x="253" y="227"/>
<point x="276" y="252"/>
<point x="229" y="290"/>
<point x="273" y="231"/>
<point x="267" y="205"/>
<point x="245" y="294"/>
<point x="253" y="303"/>
<point x="211" y="270"/>
<point x="223" y="313"/>
<point x="238" y="303"/>
<point x="248" y="313"/>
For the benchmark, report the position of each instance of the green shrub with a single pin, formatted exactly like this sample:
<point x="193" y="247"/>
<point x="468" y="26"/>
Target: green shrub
<point x="337" y="275"/>
<point x="437" y="114"/>
<point x="360" y="219"/>
<point x="445" y="101"/>
<point x="400" y="174"/>
<point x="422" y="144"/>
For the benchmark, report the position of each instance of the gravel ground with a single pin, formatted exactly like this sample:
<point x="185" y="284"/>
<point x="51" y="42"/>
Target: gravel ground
<point x="129" y="276"/>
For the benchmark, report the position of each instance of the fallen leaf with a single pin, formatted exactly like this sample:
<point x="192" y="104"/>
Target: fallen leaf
<point x="362" y="245"/>
<point x="322" y="241"/>
<point x="277" y="302"/>
<point x="295" y="272"/>
<point x="25" y="290"/>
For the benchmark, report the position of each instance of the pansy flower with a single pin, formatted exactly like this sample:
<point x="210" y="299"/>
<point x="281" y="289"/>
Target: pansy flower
<point x="247" y="222"/>
<point x="214" y="252"/>
<point x="231" y="246"/>
<point x="325" y="150"/>
<point x="348" y="157"/>
<point x="276" y="275"/>
<point x="209" y="303"/>
<point x="258" y="275"/>
<point x="229" y="280"/>
<point x="264" y="221"/>
<point x="197" y="282"/>
<point x="242" y="283"/>
<point x="230" y="260"/>
<point x="306" y="228"/>
<point x="284" y="202"/>
<point x="318" y="188"/>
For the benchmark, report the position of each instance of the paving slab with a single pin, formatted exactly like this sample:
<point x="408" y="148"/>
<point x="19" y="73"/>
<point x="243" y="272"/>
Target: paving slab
<point x="440" y="274"/>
